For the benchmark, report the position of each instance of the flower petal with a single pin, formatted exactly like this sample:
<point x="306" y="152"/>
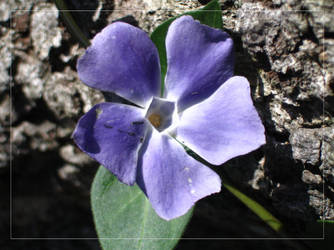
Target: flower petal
<point x="223" y="126"/>
<point x="122" y="59"/>
<point x="112" y="134"/>
<point x="200" y="59"/>
<point x="171" y="179"/>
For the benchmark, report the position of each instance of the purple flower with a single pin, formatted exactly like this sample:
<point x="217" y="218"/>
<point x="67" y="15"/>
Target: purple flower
<point x="204" y="107"/>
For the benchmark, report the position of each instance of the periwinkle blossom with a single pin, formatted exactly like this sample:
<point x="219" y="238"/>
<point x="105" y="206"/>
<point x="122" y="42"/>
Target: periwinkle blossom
<point x="204" y="107"/>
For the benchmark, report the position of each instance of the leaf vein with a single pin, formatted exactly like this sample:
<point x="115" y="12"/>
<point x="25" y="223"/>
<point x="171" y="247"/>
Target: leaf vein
<point x="144" y="224"/>
<point x="127" y="204"/>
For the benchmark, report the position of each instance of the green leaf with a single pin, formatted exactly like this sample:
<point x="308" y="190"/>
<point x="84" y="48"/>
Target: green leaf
<point x="260" y="211"/>
<point x="210" y="15"/>
<point x="326" y="221"/>
<point x="71" y="24"/>
<point x="124" y="218"/>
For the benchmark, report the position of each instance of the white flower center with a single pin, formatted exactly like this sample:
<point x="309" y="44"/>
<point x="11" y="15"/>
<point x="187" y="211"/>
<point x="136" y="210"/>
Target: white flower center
<point x="160" y="113"/>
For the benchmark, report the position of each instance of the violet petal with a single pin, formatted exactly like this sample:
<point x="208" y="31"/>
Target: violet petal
<point x="200" y="59"/>
<point x="122" y="59"/>
<point x="172" y="180"/>
<point x="223" y="126"/>
<point x="112" y="134"/>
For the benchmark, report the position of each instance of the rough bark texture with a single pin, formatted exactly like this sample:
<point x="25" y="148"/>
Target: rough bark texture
<point x="284" y="47"/>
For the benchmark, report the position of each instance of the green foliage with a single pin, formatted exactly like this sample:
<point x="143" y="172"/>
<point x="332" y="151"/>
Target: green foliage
<point x="71" y="24"/>
<point x="210" y="15"/>
<point x="260" y="211"/>
<point x="326" y="221"/>
<point x="124" y="218"/>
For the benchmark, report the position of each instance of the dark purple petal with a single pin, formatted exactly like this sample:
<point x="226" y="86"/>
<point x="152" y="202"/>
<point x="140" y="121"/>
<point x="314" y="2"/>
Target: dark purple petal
<point x="223" y="126"/>
<point x="171" y="179"/>
<point x="122" y="59"/>
<point x="200" y="59"/>
<point x="112" y="134"/>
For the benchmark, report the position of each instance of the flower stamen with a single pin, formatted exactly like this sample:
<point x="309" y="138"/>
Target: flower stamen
<point x="155" y="120"/>
<point x="160" y="113"/>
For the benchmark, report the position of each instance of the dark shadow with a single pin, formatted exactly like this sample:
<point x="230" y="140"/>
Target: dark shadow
<point x="281" y="189"/>
<point x="139" y="178"/>
<point x="288" y="193"/>
<point x="87" y="16"/>
<point x="34" y="112"/>
<point x="41" y="198"/>
<point x="112" y="97"/>
<point x="128" y="19"/>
